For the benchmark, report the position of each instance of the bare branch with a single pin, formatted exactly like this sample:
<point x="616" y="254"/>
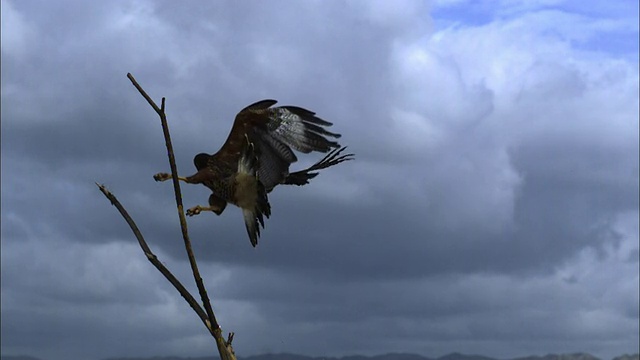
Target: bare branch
<point x="224" y="347"/>
<point x="144" y="94"/>
<point x="154" y="259"/>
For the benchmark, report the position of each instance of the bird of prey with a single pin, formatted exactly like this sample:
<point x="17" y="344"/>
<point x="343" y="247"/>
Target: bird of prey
<point x="256" y="157"/>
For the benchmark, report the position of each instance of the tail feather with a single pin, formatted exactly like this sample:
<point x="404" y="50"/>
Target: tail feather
<point x="302" y="177"/>
<point x="250" y="222"/>
<point x="253" y="218"/>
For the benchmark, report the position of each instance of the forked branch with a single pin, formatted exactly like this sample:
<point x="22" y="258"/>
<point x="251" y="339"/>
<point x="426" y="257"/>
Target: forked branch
<point x="153" y="258"/>
<point x="207" y="316"/>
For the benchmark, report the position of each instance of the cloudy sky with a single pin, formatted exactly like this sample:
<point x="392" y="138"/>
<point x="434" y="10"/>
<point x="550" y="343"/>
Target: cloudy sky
<point x="492" y="209"/>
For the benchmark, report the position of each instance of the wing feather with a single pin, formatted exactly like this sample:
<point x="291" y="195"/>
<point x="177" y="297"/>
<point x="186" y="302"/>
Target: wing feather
<point x="247" y="120"/>
<point x="273" y="167"/>
<point x="301" y="129"/>
<point x="308" y="115"/>
<point x="260" y="105"/>
<point x="275" y="131"/>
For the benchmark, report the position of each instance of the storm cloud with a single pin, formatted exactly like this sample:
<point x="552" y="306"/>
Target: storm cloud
<point x="492" y="207"/>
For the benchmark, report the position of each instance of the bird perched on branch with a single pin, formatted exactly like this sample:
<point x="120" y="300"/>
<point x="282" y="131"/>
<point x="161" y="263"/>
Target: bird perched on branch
<point x="256" y="156"/>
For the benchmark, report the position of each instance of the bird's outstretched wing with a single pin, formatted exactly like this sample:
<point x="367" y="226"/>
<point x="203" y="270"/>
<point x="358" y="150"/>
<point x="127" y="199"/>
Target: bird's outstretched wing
<point x="300" y="129"/>
<point x="290" y="127"/>
<point x="274" y="131"/>
<point x="246" y="122"/>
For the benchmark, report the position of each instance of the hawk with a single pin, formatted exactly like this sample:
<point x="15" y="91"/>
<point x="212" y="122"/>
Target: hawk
<point x="256" y="156"/>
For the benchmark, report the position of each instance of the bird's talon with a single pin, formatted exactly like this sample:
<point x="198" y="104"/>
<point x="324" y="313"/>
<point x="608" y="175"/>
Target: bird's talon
<point x="194" y="211"/>
<point x="161" y="177"/>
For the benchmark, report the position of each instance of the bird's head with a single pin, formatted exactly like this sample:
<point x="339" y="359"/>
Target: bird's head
<point x="200" y="161"/>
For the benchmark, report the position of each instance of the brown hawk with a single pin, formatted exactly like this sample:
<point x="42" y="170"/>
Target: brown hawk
<point x="256" y="157"/>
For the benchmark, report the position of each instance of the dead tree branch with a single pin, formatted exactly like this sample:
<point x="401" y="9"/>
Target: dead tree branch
<point x="207" y="315"/>
<point x="152" y="257"/>
<point x="178" y="194"/>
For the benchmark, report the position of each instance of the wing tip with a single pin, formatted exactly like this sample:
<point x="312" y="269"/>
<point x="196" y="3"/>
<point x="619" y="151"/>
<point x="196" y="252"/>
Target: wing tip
<point x="261" y="104"/>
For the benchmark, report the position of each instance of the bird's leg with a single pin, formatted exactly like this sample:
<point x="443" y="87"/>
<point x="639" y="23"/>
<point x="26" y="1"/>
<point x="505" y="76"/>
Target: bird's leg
<point x="198" y="209"/>
<point x="165" y="177"/>
<point x="216" y="204"/>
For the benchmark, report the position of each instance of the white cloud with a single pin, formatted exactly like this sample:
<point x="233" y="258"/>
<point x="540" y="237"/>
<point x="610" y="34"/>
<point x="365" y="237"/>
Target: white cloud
<point x="473" y="94"/>
<point x="16" y="32"/>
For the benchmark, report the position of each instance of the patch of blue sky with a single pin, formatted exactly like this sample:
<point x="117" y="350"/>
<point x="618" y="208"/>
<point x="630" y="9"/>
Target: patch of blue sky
<point x="474" y="13"/>
<point x="619" y="39"/>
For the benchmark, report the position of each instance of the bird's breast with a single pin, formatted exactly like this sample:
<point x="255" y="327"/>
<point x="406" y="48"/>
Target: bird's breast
<point x="245" y="191"/>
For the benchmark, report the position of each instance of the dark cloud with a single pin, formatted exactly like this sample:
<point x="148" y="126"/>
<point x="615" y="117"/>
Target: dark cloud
<point x="492" y="207"/>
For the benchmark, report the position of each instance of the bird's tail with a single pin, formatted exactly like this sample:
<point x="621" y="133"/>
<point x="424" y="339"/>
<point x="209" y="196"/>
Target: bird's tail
<point x="302" y="177"/>
<point x="255" y="216"/>
<point x="301" y="129"/>
<point x="256" y="207"/>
